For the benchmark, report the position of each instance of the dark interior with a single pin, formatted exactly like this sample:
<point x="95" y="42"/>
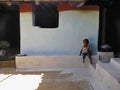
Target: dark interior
<point x="113" y="27"/>
<point x="10" y="29"/>
<point x="110" y="26"/>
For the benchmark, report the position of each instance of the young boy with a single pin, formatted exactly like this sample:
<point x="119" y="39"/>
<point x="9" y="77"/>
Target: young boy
<point x="85" y="50"/>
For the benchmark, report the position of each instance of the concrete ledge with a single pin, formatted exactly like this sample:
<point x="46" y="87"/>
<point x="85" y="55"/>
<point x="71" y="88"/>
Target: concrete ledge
<point x="116" y="62"/>
<point x="105" y="57"/>
<point x="108" y="74"/>
<point x="50" y="62"/>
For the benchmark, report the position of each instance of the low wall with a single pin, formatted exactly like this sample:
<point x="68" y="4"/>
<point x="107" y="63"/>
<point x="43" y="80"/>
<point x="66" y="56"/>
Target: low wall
<point x="50" y="62"/>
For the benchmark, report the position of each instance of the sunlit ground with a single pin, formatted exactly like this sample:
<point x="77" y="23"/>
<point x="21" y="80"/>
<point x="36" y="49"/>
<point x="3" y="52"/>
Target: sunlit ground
<point x="77" y="79"/>
<point x="20" y="82"/>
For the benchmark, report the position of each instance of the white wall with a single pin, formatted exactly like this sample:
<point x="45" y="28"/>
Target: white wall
<point x="74" y="26"/>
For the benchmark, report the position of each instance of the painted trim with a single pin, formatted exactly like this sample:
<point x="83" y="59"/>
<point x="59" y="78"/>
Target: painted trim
<point x="62" y="6"/>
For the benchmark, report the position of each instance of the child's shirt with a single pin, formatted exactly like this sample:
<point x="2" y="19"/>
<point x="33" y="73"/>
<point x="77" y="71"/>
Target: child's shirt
<point x="85" y="49"/>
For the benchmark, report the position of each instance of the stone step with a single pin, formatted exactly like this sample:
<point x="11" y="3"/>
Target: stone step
<point x="110" y="74"/>
<point x="116" y="62"/>
<point x="111" y="69"/>
<point x="51" y="62"/>
<point x="105" y="56"/>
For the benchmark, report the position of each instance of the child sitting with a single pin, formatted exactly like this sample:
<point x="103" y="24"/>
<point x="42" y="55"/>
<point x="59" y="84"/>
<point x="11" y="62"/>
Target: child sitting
<point x="85" y="50"/>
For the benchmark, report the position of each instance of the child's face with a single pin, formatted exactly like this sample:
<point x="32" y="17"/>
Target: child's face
<point x="85" y="42"/>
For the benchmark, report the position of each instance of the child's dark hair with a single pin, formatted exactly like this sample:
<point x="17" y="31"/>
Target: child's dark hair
<point x="86" y="41"/>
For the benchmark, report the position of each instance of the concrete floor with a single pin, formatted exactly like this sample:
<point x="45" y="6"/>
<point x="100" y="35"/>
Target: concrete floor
<point x="75" y="75"/>
<point x="68" y="79"/>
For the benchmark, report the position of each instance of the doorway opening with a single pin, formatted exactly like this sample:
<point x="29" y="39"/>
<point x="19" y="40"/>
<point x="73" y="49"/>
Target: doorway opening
<point x="9" y="31"/>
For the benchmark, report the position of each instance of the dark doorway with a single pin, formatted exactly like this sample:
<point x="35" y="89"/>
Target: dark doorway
<point x="9" y="31"/>
<point x="113" y="27"/>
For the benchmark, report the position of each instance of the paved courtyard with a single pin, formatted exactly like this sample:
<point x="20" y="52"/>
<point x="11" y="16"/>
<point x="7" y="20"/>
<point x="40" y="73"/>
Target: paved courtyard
<point x="69" y="79"/>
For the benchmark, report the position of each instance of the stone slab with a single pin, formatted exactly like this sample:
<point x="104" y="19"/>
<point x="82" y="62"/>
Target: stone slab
<point x="116" y="62"/>
<point x="109" y="74"/>
<point x="105" y="57"/>
<point x="50" y="62"/>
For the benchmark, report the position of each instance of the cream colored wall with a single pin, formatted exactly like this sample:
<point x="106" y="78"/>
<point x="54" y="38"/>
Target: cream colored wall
<point x="74" y="26"/>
